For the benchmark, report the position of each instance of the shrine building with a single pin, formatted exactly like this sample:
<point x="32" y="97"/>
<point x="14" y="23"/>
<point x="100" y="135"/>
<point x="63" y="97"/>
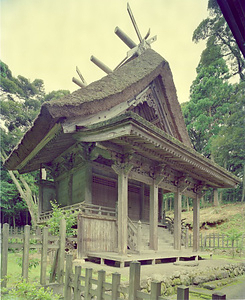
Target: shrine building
<point x="112" y="149"/>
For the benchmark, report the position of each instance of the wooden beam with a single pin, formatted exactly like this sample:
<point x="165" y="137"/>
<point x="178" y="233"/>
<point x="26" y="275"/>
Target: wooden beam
<point x="122" y="171"/>
<point x="196" y="221"/>
<point x="49" y="136"/>
<point x="153" y="216"/>
<point x="177" y="220"/>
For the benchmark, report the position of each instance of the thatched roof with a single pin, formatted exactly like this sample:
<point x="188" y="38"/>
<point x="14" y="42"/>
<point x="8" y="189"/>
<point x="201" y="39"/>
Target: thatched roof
<point x="115" y="88"/>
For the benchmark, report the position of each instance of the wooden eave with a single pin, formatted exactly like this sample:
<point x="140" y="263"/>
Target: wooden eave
<point x="131" y="131"/>
<point x="98" y="97"/>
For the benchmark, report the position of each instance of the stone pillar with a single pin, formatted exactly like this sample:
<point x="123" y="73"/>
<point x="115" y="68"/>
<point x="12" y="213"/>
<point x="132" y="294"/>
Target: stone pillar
<point x="154" y="216"/>
<point x="122" y="171"/>
<point x="196" y="221"/>
<point x="177" y="220"/>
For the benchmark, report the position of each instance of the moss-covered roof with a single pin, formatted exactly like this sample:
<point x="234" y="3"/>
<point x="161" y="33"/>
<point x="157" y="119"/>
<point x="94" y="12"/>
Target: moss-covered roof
<point x="121" y="85"/>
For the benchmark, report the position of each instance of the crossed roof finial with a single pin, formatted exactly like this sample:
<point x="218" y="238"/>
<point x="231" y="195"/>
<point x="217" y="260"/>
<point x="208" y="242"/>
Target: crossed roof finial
<point x="135" y="49"/>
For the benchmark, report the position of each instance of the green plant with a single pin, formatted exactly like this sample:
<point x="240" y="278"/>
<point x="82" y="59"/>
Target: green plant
<point x="232" y="236"/>
<point x="33" y="262"/>
<point x="58" y="214"/>
<point x="31" y="291"/>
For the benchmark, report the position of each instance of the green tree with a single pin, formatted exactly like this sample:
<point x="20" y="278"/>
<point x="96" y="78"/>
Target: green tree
<point x="21" y="100"/>
<point x="216" y="31"/>
<point x="228" y="147"/>
<point x="209" y="102"/>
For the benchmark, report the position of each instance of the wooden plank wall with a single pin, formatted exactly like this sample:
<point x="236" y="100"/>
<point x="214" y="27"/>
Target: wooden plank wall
<point x="96" y="234"/>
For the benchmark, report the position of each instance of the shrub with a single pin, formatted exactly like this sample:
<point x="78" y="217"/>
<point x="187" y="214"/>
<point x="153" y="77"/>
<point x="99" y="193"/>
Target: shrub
<point x="31" y="291"/>
<point x="58" y="214"/>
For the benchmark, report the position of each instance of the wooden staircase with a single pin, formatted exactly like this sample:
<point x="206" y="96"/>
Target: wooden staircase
<point x="138" y="237"/>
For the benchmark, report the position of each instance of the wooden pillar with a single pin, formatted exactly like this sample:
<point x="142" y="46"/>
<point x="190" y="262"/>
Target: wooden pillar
<point x="177" y="220"/>
<point x="216" y="197"/>
<point x="88" y="182"/>
<point x="153" y="216"/>
<point x="122" y="171"/>
<point x="196" y="221"/>
<point x="142" y="200"/>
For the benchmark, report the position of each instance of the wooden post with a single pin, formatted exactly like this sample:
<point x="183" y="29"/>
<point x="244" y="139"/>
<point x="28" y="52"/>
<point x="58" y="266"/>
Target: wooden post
<point x="61" y="258"/>
<point x="67" y="287"/>
<point x="122" y="171"/>
<point x="216" y="197"/>
<point x="88" y="277"/>
<point x="182" y="293"/>
<point x="44" y="256"/>
<point x="155" y="290"/>
<point x="100" y="286"/>
<point x="134" y="280"/>
<point x="53" y="271"/>
<point x="186" y="237"/>
<point x="116" y="277"/>
<point x="196" y="221"/>
<point x="177" y="220"/>
<point x="153" y="217"/>
<point x="77" y="283"/>
<point x="26" y="248"/>
<point x="4" y="256"/>
<point x="139" y="235"/>
<point x="218" y="296"/>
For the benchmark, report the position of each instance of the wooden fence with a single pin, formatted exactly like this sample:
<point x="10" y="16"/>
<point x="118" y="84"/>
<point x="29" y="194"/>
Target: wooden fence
<point x="39" y="240"/>
<point x="217" y="240"/>
<point x="87" y="287"/>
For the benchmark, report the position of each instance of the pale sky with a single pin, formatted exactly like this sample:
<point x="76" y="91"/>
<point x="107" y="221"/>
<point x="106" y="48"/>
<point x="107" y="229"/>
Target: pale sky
<point x="47" y="39"/>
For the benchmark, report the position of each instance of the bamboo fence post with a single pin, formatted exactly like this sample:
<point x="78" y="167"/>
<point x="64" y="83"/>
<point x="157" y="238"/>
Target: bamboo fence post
<point x="88" y="277"/>
<point x="155" y="290"/>
<point x="67" y="287"/>
<point x="100" y="286"/>
<point x="61" y="259"/>
<point x="134" y="280"/>
<point x="77" y="283"/>
<point x="44" y="256"/>
<point x="116" y="277"/>
<point x="26" y="248"/>
<point x="4" y="256"/>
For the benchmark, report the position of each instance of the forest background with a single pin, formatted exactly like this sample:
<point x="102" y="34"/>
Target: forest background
<point x="214" y="117"/>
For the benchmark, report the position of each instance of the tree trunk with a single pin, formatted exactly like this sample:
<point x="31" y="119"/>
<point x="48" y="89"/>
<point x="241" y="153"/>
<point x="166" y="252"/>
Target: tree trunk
<point x="26" y="194"/>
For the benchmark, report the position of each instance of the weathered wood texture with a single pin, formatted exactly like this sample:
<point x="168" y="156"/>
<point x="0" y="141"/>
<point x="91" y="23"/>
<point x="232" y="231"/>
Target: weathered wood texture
<point x="91" y="286"/>
<point x="96" y="233"/>
<point x="27" y="241"/>
<point x="216" y="240"/>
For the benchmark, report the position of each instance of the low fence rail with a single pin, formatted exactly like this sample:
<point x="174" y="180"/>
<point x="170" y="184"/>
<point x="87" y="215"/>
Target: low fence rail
<point x="87" y="287"/>
<point x="43" y="241"/>
<point x="217" y="240"/>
